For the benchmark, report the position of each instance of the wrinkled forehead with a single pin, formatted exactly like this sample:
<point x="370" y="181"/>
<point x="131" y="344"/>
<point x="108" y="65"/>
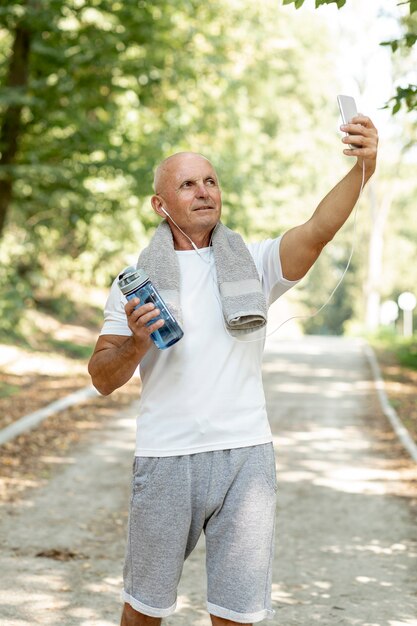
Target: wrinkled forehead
<point x="180" y="167"/>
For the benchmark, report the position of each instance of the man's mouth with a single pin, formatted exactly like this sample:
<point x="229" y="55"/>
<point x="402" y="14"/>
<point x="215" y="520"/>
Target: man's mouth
<point x="205" y="207"/>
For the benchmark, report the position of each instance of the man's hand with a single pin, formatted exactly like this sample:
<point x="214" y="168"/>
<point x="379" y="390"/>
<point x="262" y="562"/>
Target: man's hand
<point x="363" y="134"/>
<point x="116" y="357"/>
<point x="138" y="318"/>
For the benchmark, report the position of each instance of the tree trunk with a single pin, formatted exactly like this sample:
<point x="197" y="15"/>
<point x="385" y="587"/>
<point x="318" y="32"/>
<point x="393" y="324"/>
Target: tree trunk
<point x="10" y="128"/>
<point x="379" y="214"/>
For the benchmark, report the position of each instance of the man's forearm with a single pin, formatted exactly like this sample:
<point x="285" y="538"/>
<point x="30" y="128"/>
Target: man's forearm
<point x="112" y="367"/>
<point x="335" y="208"/>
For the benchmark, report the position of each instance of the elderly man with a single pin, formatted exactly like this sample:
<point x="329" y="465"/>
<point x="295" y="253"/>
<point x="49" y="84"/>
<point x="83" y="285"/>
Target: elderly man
<point x="204" y="458"/>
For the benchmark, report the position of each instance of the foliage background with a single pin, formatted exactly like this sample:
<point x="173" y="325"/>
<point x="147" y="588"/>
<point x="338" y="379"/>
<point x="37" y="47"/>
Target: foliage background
<point x="113" y="87"/>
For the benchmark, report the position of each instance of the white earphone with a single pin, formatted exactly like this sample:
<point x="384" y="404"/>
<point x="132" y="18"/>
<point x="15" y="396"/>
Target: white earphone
<point x="180" y="229"/>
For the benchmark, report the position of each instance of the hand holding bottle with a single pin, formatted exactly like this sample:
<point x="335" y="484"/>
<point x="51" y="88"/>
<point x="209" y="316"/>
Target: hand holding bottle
<point x="138" y="316"/>
<point x="135" y="284"/>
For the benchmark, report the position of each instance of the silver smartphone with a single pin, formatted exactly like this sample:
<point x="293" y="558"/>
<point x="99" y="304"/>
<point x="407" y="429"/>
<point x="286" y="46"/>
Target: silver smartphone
<point x="347" y="106"/>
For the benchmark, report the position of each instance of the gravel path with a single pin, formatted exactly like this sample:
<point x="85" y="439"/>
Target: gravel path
<point x="346" y="549"/>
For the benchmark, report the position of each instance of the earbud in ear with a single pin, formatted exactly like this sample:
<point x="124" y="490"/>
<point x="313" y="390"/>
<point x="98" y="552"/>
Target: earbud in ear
<point x="174" y="222"/>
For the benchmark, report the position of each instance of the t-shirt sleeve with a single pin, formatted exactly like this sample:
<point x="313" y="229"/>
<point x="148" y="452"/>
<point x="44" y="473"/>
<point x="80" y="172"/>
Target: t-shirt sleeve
<point x="268" y="263"/>
<point x="115" y="321"/>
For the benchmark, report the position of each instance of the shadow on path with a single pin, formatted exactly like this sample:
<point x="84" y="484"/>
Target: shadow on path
<point x="346" y="543"/>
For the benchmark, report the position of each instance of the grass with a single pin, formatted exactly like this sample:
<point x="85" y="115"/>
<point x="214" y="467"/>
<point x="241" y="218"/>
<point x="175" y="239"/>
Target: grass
<point x="37" y="325"/>
<point x="7" y="390"/>
<point x="71" y="349"/>
<point x="16" y="322"/>
<point x="403" y="348"/>
<point x="397" y="358"/>
<point x="70" y="311"/>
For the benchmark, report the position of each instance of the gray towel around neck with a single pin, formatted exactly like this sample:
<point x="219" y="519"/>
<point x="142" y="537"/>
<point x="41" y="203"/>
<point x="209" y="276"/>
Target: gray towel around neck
<point x="243" y="301"/>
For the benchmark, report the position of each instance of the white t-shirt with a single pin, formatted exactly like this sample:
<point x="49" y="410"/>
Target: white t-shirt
<point x="205" y="392"/>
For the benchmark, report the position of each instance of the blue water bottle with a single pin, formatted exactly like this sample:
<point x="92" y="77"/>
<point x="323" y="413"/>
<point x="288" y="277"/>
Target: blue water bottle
<point x="135" y="283"/>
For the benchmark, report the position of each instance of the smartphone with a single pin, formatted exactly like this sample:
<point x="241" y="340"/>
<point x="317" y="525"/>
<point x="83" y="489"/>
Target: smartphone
<point x="347" y="106"/>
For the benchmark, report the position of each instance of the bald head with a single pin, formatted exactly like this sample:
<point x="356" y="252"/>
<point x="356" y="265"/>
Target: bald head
<point x="166" y="170"/>
<point x="188" y="196"/>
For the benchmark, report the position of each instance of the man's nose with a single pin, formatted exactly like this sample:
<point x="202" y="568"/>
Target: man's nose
<point x="202" y="191"/>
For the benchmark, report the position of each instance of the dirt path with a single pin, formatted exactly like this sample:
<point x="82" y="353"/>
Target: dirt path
<point x="346" y="550"/>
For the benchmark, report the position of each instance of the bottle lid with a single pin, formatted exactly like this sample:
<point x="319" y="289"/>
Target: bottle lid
<point x="132" y="278"/>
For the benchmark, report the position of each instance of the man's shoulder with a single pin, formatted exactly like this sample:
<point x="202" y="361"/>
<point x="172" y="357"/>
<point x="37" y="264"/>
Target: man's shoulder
<point x="260" y="248"/>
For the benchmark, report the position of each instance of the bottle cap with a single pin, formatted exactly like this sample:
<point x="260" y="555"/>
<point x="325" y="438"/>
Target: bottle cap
<point x="131" y="278"/>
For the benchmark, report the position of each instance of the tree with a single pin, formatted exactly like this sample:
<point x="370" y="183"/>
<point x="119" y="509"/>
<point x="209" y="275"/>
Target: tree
<point x="114" y="87"/>
<point x="69" y="68"/>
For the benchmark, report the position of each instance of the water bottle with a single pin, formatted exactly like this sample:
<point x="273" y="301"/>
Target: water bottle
<point x="135" y="283"/>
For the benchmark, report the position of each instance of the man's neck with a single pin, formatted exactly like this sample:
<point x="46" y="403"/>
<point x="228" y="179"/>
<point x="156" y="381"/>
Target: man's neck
<point x="182" y="243"/>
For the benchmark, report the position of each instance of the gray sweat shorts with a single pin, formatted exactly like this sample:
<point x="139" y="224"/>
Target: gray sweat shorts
<point x="228" y="494"/>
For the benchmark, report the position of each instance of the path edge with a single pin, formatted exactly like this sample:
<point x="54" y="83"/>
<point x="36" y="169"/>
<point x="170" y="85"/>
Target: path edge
<point x="388" y="410"/>
<point x="27" y="422"/>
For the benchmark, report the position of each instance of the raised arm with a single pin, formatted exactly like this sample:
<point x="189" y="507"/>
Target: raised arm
<point x="116" y="357"/>
<point x="301" y="246"/>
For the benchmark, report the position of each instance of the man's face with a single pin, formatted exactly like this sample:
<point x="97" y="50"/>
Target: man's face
<point x="189" y="190"/>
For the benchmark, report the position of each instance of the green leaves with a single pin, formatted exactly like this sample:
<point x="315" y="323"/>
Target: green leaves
<point x="408" y="40"/>
<point x="299" y="3"/>
<point x="405" y="95"/>
<point x="393" y="43"/>
<point x="339" y="3"/>
<point x="114" y="87"/>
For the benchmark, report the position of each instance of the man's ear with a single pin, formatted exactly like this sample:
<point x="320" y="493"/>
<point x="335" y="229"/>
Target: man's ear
<point x="156" y="205"/>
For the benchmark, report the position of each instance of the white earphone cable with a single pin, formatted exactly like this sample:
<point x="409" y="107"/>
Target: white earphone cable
<point x="300" y="317"/>
<point x="189" y="238"/>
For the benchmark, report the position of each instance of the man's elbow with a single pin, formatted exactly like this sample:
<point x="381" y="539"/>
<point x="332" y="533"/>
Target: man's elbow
<point x="102" y="388"/>
<point x="103" y="391"/>
<point x="321" y="235"/>
<point x="98" y="382"/>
